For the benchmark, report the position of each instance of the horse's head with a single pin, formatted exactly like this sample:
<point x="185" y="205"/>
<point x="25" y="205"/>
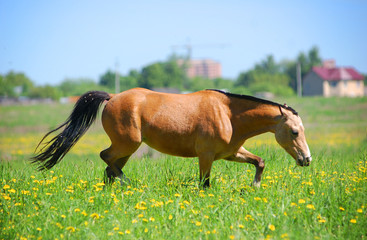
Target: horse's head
<point x="290" y="134"/>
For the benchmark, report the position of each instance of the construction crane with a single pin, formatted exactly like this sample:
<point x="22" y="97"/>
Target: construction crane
<point x="190" y="46"/>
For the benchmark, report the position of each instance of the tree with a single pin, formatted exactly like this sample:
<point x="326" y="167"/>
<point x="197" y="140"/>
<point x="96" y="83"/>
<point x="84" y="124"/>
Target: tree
<point x="152" y="76"/>
<point x="108" y="79"/>
<point x="268" y="65"/>
<point x="77" y="87"/>
<point x="161" y="74"/>
<point x="46" y="91"/>
<point x="129" y="81"/>
<point x="307" y="61"/>
<point x="15" y="84"/>
<point x="199" y="83"/>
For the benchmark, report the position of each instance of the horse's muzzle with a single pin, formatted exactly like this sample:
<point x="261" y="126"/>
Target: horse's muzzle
<point x="305" y="162"/>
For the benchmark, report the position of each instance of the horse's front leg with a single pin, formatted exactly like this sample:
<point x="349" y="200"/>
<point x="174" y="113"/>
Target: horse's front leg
<point x="245" y="156"/>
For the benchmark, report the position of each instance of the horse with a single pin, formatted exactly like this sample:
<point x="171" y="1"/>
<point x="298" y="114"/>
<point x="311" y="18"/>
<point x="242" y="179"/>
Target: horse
<point x="209" y="124"/>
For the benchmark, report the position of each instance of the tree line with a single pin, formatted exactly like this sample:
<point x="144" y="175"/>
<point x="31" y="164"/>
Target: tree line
<point x="267" y="75"/>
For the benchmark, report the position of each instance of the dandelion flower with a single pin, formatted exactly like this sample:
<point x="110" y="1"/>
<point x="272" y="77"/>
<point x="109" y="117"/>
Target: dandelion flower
<point x="38" y="229"/>
<point x="359" y="210"/>
<point x="353" y="220"/>
<point x="170" y="217"/>
<point x="198" y="223"/>
<point x="271" y="227"/>
<point x="6" y="186"/>
<point x="94" y="215"/>
<point x="310" y="206"/>
<point x="71" y="229"/>
<point x="341" y="208"/>
<point x="231" y="237"/>
<point x="301" y="201"/>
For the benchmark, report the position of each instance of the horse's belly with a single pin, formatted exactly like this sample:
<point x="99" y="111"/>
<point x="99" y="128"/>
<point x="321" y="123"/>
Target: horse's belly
<point x="172" y="145"/>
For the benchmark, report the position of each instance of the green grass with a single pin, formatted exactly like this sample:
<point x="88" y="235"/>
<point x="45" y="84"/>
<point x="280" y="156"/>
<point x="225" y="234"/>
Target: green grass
<point x="324" y="201"/>
<point x="165" y="202"/>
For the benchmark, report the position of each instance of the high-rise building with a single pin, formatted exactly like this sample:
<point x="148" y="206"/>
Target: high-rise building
<point x="205" y="68"/>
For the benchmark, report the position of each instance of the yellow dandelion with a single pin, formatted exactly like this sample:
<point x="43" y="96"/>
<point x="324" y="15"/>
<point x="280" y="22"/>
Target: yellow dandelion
<point x="38" y="229"/>
<point x="359" y="210"/>
<point x="231" y="237"/>
<point x="6" y="197"/>
<point x="71" y="229"/>
<point x="341" y="208"/>
<point x="170" y="217"/>
<point x="285" y="235"/>
<point x="76" y="210"/>
<point x="116" y="228"/>
<point x="95" y="215"/>
<point x="127" y="231"/>
<point x="152" y="219"/>
<point x="310" y="206"/>
<point x="134" y="221"/>
<point x="6" y="186"/>
<point x="301" y="201"/>
<point x="63" y="216"/>
<point x="241" y="226"/>
<point x="198" y="223"/>
<point x="177" y="195"/>
<point x="141" y="205"/>
<point x="353" y="220"/>
<point x="271" y="227"/>
<point x="140" y="215"/>
<point x="12" y="191"/>
<point x="321" y="220"/>
<point x="146" y="230"/>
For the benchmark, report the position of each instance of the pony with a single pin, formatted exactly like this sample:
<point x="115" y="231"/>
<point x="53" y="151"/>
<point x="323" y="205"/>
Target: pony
<point x="209" y="124"/>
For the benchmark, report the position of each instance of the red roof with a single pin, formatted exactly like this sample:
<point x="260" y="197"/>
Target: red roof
<point x="337" y="73"/>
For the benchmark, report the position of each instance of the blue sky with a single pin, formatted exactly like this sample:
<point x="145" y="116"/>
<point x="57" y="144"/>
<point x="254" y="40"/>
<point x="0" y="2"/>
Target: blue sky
<point x="53" y="40"/>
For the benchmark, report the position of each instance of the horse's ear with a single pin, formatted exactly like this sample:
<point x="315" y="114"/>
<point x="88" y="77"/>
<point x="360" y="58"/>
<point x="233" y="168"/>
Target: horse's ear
<point x="281" y="111"/>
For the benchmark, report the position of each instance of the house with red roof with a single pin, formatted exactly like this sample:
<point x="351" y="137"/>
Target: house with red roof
<point x="329" y="80"/>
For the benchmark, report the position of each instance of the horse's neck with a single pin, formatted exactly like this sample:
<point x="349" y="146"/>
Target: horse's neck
<point x="255" y="119"/>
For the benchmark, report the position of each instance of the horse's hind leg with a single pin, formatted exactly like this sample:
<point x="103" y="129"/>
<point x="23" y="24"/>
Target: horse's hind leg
<point x="110" y="175"/>
<point x="116" y="160"/>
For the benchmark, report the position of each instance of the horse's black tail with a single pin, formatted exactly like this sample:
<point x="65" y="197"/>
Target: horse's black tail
<point x="83" y="115"/>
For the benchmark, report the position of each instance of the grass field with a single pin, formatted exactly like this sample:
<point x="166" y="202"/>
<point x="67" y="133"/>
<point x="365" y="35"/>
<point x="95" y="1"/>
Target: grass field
<point x="327" y="200"/>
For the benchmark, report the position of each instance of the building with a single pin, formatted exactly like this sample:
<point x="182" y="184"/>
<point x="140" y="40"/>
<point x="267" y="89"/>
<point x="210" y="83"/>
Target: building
<point x="205" y="68"/>
<point x="329" y="80"/>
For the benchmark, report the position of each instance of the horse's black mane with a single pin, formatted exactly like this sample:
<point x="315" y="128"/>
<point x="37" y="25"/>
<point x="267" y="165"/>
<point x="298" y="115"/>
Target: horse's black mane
<point x="255" y="99"/>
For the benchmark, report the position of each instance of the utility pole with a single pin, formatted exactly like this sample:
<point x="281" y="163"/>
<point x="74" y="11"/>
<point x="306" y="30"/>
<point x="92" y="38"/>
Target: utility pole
<point x="299" y="80"/>
<point x="117" y="80"/>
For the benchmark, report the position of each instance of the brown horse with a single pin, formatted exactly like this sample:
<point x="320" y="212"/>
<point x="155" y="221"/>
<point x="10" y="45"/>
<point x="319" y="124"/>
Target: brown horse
<point x="209" y="124"/>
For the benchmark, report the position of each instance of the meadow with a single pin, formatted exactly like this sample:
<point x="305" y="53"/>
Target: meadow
<point x="327" y="200"/>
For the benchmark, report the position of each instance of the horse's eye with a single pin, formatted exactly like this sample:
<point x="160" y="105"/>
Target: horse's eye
<point x="294" y="132"/>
